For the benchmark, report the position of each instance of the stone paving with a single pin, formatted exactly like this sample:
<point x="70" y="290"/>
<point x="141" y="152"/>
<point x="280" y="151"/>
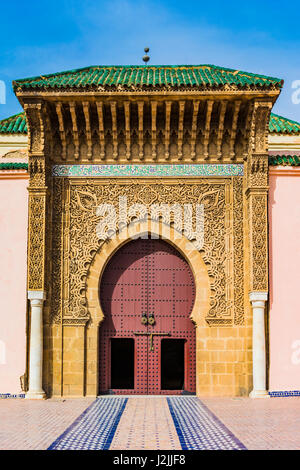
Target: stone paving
<point x="272" y="423"/>
<point x="147" y="422"/>
<point x="30" y="424"/>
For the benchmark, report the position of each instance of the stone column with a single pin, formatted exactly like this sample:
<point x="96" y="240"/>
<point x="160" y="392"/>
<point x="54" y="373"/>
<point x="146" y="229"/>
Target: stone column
<point x="36" y="345"/>
<point x="37" y="271"/>
<point x="257" y="187"/>
<point x="258" y="300"/>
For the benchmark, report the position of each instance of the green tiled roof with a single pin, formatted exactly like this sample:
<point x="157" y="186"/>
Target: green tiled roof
<point x="281" y="125"/>
<point x="164" y="76"/>
<point x="14" y="125"/>
<point x="13" y="166"/>
<point x="282" y="160"/>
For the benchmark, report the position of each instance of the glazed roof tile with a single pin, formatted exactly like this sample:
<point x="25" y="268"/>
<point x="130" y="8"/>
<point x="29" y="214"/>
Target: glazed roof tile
<point x="281" y="125"/>
<point x="13" y="166"/>
<point x="14" y="125"/>
<point x="162" y="76"/>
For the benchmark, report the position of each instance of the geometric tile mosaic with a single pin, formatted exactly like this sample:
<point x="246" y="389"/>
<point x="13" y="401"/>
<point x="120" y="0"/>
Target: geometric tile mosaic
<point x="9" y="395"/>
<point x="100" y="426"/>
<point x="293" y="393"/>
<point x="198" y="428"/>
<point x="148" y="170"/>
<point x="94" y="429"/>
<point x="146" y="424"/>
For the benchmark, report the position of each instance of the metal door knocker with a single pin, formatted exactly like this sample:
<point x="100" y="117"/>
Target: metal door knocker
<point x="151" y="319"/>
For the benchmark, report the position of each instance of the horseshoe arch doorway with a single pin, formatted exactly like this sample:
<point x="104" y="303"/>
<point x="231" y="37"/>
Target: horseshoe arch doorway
<point x="147" y="339"/>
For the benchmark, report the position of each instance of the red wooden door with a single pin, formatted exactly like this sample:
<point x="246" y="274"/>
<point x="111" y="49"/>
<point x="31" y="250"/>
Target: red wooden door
<point x="147" y="340"/>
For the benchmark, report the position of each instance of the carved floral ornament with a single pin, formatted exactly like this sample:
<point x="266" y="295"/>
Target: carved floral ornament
<point x="75" y="241"/>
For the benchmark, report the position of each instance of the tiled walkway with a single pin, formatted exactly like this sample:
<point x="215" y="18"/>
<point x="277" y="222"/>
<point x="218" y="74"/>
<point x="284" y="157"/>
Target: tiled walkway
<point x="30" y="424"/>
<point x="272" y="423"/>
<point x="146" y="424"/>
<point x="150" y="423"/>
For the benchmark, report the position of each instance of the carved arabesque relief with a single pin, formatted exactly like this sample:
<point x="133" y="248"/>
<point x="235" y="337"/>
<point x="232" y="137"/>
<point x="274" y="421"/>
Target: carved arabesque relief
<point x="36" y="242"/>
<point x="257" y="195"/>
<point x="75" y="206"/>
<point x="238" y="253"/>
<point x="259" y="242"/>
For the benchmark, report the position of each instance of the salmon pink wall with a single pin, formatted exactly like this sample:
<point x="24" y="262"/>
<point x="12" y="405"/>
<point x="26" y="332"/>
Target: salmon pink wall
<point x="284" y="216"/>
<point x="13" y="247"/>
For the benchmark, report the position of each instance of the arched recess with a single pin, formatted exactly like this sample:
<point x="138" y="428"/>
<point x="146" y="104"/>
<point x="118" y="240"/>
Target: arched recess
<point x="106" y="251"/>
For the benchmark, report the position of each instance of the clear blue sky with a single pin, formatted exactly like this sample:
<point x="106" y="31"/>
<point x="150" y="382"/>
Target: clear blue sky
<point x="39" y="37"/>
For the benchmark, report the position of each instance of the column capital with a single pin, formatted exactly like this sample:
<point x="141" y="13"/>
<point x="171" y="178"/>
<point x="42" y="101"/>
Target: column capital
<point x="36" y="295"/>
<point x="257" y="296"/>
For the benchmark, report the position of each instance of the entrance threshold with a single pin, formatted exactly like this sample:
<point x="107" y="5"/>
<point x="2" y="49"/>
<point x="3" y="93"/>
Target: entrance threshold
<point x="145" y="396"/>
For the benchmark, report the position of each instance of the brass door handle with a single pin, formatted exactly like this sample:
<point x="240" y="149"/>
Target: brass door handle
<point x="151" y="336"/>
<point x="151" y="319"/>
<point x="144" y="319"/>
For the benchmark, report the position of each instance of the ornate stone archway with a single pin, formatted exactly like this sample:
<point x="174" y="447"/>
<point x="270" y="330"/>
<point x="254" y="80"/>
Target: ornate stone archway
<point x="97" y="267"/>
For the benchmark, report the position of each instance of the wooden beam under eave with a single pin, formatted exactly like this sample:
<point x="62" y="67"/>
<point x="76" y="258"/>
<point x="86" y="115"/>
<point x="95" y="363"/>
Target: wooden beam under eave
<point x="99" y="105"/>
<point x="223" y="106"/>
<point x="180" y="128"/>
<point x="127" y="129"/>
<point x="72" y="106"/>
<point x="153" y="127"/>
<point x="209" y="108"/>
<point x="141" y="129"/>
<point x="88" y="132"/>
<point x="113" y="110"/>
<point x="194" y="129"/>
<point x="248" y="125"/>
<point x="237" y="105"/>
<point x="62" y="131"/>
<point x="167" y="129"/>
<point x="49" y="129"/>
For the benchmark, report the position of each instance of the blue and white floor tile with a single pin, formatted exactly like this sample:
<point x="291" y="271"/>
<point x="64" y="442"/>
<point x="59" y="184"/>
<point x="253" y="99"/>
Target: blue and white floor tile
<point x="95" y="428"/>
<point x="198" y="428"/>
<point x="150" y="423"/>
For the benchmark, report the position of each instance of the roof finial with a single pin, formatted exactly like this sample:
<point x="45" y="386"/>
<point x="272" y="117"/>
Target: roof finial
<point x="146" y="58"/>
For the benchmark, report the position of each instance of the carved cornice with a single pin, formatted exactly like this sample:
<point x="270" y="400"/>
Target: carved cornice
<point x="36" y="131"/>
<point x="220" y="92"/>
<point x="259" y="127"/>
<point x="148" y="129"/>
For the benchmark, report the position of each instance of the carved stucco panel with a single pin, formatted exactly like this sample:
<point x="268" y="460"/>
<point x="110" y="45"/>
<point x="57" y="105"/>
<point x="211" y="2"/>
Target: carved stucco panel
<point x="36" y="241"/>
<point x="74" y="249"/>
<point x="259" y="242"/>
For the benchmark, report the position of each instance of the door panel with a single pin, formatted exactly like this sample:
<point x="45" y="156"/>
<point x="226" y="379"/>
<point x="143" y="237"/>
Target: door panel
<point x="171" y="298"/>
<point x="123" y="295"/>
<point x="150" y="277"/>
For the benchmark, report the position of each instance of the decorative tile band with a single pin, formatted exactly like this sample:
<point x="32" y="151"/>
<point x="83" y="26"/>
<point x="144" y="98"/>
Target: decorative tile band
<point x="294" y="393"/>
<point x="10" y="395"/>
<point x="148" y="170"/>
<point x="198" y="428"/>
<point x="95" y="428"/>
